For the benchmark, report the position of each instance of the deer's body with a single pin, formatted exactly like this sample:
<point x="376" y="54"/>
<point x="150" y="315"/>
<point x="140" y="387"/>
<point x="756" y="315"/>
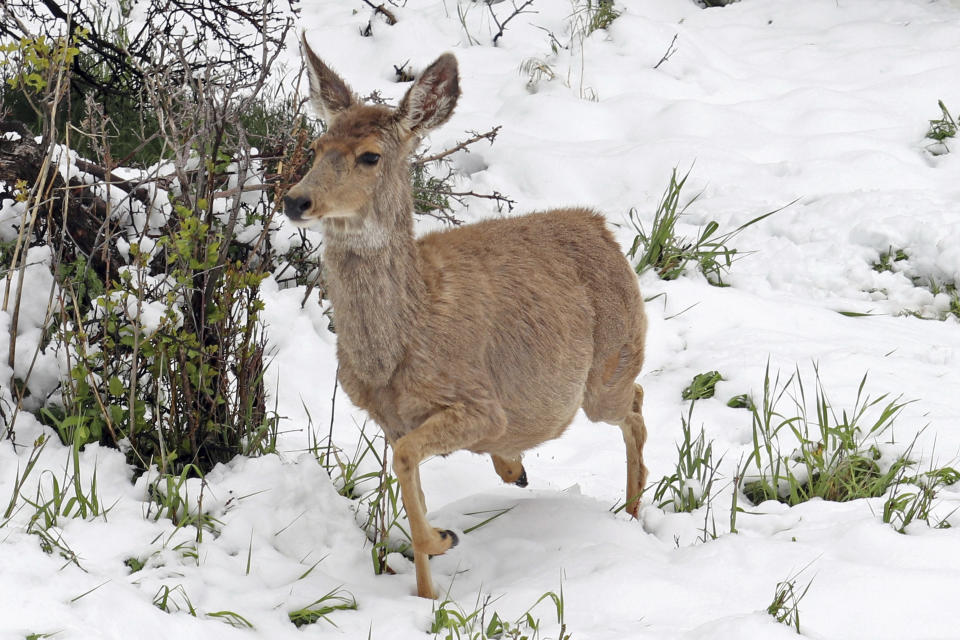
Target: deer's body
<point x="487" y="337"/>
<point x="508" y="317"/>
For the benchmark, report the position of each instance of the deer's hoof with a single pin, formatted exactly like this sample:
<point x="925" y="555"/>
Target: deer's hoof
<point x="447" y="537"/>
<point x="454" y="540"/>
<point x="522" y="480"/>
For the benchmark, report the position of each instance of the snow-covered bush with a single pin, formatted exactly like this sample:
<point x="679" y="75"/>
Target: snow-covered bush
<point x="154" y="319"/>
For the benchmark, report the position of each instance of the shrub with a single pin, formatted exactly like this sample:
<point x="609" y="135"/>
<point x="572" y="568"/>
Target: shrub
<point x="172" y="363"/>
<point x="113" y="59"/>
<point x="157" y="311"/>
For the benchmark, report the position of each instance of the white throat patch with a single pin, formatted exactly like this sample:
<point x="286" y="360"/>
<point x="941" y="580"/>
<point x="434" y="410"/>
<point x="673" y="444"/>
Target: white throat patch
<point x="366" y="235"/>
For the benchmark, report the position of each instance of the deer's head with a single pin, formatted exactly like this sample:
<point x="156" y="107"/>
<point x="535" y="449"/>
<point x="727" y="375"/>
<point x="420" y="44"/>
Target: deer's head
<point x="360" y="174"/>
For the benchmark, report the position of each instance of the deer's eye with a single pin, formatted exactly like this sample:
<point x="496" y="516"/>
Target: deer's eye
<point x="369" y="158"/>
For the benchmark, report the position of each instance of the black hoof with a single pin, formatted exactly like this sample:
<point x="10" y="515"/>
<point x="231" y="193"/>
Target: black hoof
<point x="454" y="539"/>
<point x="522" y="480"/>
<point x="446" y="533"/>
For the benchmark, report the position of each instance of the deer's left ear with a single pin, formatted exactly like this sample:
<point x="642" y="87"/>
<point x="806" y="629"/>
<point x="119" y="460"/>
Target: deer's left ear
<point x="430" y="101"/>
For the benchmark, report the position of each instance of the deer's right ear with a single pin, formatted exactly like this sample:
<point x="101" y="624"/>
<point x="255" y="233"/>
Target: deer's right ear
<point x="329" y="94"/>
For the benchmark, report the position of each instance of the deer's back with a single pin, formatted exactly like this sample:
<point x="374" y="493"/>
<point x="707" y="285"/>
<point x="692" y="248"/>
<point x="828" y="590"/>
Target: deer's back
<point x="562" y="264"/>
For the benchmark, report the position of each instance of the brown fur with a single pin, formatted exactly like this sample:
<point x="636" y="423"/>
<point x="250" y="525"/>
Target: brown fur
<point x="487" y="337"/>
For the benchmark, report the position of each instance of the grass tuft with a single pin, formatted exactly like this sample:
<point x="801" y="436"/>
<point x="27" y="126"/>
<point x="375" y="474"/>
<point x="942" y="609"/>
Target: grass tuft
<point x="173" y="599"/>
<point x="134" y="564"/>
<point x="702" y="386"/>
<point x="885" y="263"/>
<point x="235" y="620"/>
<point x="741" y="401"/>
<point x="896" y="260"/>
<point x="941" y="129"/>
<point x="785" y="606"/>
<point x="453" y="622"/>
<point x="365" y="477"/>
<point x="836" y="455"/>
<point x="600" y="14"/>
<point x="20" y="478"/>
<point x="689" y="487"/>
<point x="320" y="609"/>
<point x="669" y="255"/>
<point x="169" y="494"/>
<point x="913" y="498"/>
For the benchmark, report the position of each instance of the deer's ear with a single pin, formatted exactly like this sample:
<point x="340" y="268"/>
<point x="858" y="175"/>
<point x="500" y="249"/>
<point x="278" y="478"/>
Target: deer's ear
<point x="431" y="99"/>
<point x="329" y="94"/>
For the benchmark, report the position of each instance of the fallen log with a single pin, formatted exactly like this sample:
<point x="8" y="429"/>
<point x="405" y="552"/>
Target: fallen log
<point x="71" y="215"/>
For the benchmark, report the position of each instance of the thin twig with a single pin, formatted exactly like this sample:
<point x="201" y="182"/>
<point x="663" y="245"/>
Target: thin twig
<point x="670" y="51"/>
<point x="459" y="195"/>
<point x="489" y="135"/>
<point x="229" y="193"/>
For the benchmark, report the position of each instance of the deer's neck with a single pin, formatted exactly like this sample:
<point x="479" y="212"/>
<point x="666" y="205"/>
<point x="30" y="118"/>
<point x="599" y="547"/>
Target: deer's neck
<point x="376" y="288"/>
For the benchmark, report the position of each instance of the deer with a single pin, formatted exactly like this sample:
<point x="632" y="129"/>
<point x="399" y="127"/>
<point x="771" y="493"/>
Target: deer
<point x="487" y="337"/>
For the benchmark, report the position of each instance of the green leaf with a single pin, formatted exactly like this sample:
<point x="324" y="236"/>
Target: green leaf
<point x="116" y="386"/>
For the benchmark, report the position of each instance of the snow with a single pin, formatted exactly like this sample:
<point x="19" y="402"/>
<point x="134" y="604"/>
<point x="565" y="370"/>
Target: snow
<point x="823" y="104"/>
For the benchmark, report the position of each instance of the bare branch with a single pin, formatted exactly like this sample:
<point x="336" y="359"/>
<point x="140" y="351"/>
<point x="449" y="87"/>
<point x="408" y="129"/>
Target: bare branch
<point x="477" y="137"/>
<point x="503" y="25"/>
<point x="500" y="199"/>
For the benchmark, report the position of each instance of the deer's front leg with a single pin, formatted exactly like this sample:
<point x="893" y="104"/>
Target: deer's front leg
<point x="424" y="536"/>
<point x="450" y="430"/>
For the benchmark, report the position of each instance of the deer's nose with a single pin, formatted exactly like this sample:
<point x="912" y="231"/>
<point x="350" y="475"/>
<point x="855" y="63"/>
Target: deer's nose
<point x="295" y="206"/>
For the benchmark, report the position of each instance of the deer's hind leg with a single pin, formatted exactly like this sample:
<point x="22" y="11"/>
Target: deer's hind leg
<point x="510" y="470"/>
<point x="611" y="396"/>
<point x="634" y="437"/>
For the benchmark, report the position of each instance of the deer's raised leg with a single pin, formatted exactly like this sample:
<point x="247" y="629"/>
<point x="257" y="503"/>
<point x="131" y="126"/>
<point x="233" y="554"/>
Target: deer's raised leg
<point x="510" y="470"/>
<point x="634" y="437"/>
<point x="449" y="430"/>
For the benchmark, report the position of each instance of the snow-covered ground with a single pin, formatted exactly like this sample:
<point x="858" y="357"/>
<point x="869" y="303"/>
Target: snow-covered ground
<point x="822" y="102"/>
